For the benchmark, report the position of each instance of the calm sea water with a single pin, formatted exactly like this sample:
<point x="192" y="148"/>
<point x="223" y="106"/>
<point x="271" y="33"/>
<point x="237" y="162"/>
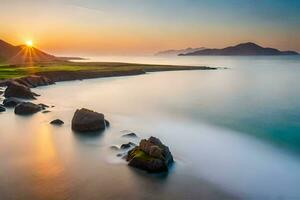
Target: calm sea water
<point x="235" y="134"/>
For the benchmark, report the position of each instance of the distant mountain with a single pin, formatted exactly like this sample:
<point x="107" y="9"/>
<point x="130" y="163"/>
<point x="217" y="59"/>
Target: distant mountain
<point x="175" y="52"/>
<point x="244" y="49"/>
<point x="22" y="54"/>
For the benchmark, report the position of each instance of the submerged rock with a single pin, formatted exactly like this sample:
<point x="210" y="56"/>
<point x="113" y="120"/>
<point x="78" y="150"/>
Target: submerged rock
<point x="151" y="155"/>
<point x="11" y="102"/>
<point x="46" y="111"/>
<point x="128" y="145"/>
<point x="130" y="135"/>
<point x="15" y="89"/>
<point x="27" y="108"/>
<point x="57" y="122"/>
<point x="44" y="106"/>
<point x="114" y="147"/>
<point x="85" y="120"/>
<point x="2" y="109"/>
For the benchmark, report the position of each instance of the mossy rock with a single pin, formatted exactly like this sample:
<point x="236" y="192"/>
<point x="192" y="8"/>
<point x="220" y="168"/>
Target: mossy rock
<point x="139" y="157"/>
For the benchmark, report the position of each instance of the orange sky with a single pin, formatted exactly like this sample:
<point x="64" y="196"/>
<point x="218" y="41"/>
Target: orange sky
<point x="100" y="27"/>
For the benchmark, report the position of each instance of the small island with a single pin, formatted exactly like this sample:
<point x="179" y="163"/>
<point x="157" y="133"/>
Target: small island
<point x="243" y="49"/>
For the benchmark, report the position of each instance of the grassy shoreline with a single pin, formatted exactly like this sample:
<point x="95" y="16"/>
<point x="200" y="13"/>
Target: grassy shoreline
<point x="64" y="71"/>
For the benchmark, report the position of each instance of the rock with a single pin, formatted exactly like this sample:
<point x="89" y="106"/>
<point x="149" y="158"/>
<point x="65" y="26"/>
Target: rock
<point x="107" y="123"/>
<point x="44" y="106"/>
<point x="128" y="145"/>
<point x="85" y="120"/>
<point x="130" y="135"/>
<point x="151" y="155"/>
<point x="27" y="108"/>
<point x="35" y="81"/>
<point x="15" y="89"/>
<point x="11" y="102"/>
<point x="2" y="109"/>
<point x="46" y="111"/>
<point x="57" y="122"/>
<point x="114" y="147"/>
<point x="1" y="92"/>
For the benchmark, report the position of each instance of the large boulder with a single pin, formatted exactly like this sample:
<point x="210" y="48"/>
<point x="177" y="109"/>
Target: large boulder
<point x="151" y="155"/>
<point x="27" y="108"/>
<point x="85" y="120"/>
<point x="15" y="89"/>
<point x="11" y="102"/>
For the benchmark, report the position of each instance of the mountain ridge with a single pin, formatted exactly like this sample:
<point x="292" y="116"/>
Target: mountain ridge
<point x="21" y="54"/>
<point x="242" y="49"/>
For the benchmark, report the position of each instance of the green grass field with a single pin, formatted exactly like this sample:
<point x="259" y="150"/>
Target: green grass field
<point x="12" y="71"/>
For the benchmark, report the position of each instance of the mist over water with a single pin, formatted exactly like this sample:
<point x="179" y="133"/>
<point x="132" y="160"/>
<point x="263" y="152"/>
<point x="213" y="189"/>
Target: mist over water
<point x="234" y="133"/>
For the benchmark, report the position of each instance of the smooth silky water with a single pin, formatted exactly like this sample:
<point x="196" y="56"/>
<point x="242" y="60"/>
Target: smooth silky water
<point x="234" y="133"/>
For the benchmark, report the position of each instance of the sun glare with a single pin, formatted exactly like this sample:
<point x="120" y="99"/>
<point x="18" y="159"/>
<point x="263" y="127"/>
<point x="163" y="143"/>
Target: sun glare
<point x="29" y="43"/>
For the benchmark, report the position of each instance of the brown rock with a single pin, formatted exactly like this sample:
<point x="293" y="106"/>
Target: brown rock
<point x="85" y="120"/>
<point x="15" y="89"/>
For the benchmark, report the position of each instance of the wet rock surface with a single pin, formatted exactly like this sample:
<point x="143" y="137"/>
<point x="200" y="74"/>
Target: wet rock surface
<point x="85" y="120"/>
<point x="35" y="81"/>
<point x="130" y="135"/>
<point x="57" y="122"/>
<point x="11" y="102"/>
<point x="127" y="145"/>
<point x="27" y="108"/>
<point x="15" y="89"/>
<point x="151" y="155"/>
<point x="2" y="109"/>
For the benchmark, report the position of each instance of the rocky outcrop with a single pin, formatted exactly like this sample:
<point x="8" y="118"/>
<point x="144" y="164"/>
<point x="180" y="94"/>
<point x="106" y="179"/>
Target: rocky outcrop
<point x="151" y="155"/>
<point x="11" y="102"/>
<point x="35" y="81"/>
<point x="15" y="89"/>
<point x="27" y="108"/>
<point x="57" y="122"/>
<point x="85" y="120"/>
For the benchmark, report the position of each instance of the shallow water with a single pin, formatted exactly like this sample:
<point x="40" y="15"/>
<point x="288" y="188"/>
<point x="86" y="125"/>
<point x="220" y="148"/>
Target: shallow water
<point x="234" y="134"/>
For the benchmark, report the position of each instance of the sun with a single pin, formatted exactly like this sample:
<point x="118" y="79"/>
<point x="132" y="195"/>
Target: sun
<point x="29" y="43"/>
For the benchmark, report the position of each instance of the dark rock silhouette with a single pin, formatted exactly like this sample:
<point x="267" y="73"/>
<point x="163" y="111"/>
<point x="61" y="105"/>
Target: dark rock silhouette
<point x="27" y="108"/>
<point x="2" y="109"/>
<point x="128" y="145"/>
<point x="35" y="81"/>
<point x="85" y="120"/>
<point x="11" y="102"/>
<point x="57" y="122"/>
<point x="46" y="111"/>
<point x="129" y="135"/>
<point x="244" y="49"/>
<point x="151" y="155"/>
<point x="15" y="89"/>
